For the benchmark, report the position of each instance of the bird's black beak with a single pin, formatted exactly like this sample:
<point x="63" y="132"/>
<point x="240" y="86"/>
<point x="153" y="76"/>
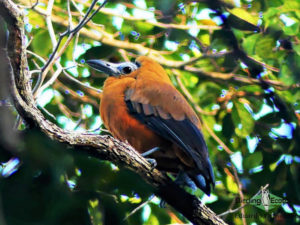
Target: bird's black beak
<point x="111" y="69"/>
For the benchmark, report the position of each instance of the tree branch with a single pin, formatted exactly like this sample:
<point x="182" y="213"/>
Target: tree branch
<point x="102" y="147"/>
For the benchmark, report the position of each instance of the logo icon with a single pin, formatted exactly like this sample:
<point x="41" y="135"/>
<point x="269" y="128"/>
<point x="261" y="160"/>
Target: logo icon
<point x="266" y="201"/>
<point x="265" y="198"/>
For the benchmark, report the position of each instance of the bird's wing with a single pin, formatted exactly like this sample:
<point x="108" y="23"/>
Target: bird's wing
<point x="165" y="111"/>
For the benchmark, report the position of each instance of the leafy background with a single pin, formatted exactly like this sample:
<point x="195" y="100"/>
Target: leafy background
<point x="238" y="64"/>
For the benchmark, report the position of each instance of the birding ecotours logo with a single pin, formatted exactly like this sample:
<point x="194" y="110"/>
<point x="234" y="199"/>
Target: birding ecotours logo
<point x="265" y="198"/>
<point x="266" y="201"/>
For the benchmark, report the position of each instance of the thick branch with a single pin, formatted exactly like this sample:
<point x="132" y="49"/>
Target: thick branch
<point x="103" y="147"/>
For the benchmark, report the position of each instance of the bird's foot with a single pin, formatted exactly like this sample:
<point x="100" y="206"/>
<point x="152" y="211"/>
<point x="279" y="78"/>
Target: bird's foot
<point x="152" y="162"/>
<point x="183" y="179"/>
<point x="149" y="152"/>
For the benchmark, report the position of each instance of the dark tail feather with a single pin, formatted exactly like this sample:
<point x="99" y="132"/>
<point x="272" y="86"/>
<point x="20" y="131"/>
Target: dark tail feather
<point x="202" y="183"/>
<point x="205" y="179"/>
<point x="211" y="176"/>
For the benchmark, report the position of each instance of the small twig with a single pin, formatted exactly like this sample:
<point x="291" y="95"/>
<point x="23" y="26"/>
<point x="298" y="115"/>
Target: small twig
<point x="274" y="69"/>
<point x="37" y="89"/>
<point x="133" y="6"/>
<point x="86" y="18"/>
<point x="34" y="71"/>
<point x="82" y="14"/>
<point x="190" y="97"/>
<point x="37" y="56"/>
<point x="240" y="187"/>
<point x="195" y="59"/>
<point x="49" y="23"/>
<point x="18" y="122"/>
<point x="139" y="207"/>
<point x="79" y="122"/>
<point x="70" y="32"/>
<point x="230" y="77"/>
<point x="114" y="197"/>
<point x="75" y="46"/>
<point x="79" y="82"/>
<point x="65" y="110"/>
<point x="123" y="53"/>
<point x="217" y="139"/>
<point x="47" y="112"/>
<point x="48" y="83"/>
<point x="199" y="43"/>
<point x="69" y="15"/>
<point x="232" y="210"/>
<point x="75" y="95"/>
<point x="232" y="204"/>
<point x="31" y="6"/>
<point x="29" y="42"/>
<point x="98" y="129"/>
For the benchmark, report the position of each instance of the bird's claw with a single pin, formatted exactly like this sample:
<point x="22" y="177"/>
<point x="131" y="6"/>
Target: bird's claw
<point x="183" y="179"/>
<point x="152" y="162"/>
<point x="149" y="152"/>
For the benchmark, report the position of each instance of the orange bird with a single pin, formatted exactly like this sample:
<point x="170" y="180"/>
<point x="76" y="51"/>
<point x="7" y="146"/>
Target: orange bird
<point x="140" y="105"/>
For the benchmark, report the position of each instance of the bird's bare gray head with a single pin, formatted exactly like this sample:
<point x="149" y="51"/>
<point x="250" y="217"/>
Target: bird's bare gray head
<point x="113" y="69"/>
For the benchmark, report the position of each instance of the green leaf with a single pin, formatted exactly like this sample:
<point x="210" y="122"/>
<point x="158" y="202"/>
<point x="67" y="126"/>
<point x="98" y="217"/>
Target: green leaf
<point x="206" y="93"/>
<point x="289" y="71"/>
<point x="41" y="43"/>
<point x="152" y="221"/>
<point x="264" y="47"/>
<point x="291" y="5"/>
<point x="286" y="74"/>
<point x="205" y="39"/>
<point x="273" y="119"/>
<point x="227" y="126"/>
<point x="178" y="35"/>
<point x="99" y="52"/>
<point x="244" y="15"/>
<point x="243" y="20"/>
<point x="251" y="88"/>
<point x="297" y="49"/>
<point x="271" y="12"/>
<point x="242" y="120"/>
<point x="231" y="185"/>
<point x="253" y="160"/>
<point x="249" y="43"/>
<point x="291" y="30"/>
<point x="271" y="17"/>
<point x="143" y="27"/>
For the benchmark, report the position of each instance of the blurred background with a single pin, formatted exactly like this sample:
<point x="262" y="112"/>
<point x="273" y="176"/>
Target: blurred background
<point x="237" y="63"/>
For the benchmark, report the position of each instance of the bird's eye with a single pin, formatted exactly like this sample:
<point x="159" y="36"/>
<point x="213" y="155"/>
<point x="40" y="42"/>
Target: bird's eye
<point x="127" y="70"/>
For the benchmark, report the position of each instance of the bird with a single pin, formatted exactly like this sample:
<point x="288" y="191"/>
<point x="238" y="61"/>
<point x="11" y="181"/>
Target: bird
<point x="141" y="106"/>
<point x="265" y="198"/>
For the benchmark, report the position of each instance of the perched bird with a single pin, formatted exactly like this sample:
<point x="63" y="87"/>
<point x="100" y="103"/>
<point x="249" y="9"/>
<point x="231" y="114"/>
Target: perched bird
<point x="140" y="105"/>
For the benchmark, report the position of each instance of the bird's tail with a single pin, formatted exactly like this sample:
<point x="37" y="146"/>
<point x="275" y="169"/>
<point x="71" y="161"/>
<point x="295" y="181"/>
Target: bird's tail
<point x="204" y="179"/>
